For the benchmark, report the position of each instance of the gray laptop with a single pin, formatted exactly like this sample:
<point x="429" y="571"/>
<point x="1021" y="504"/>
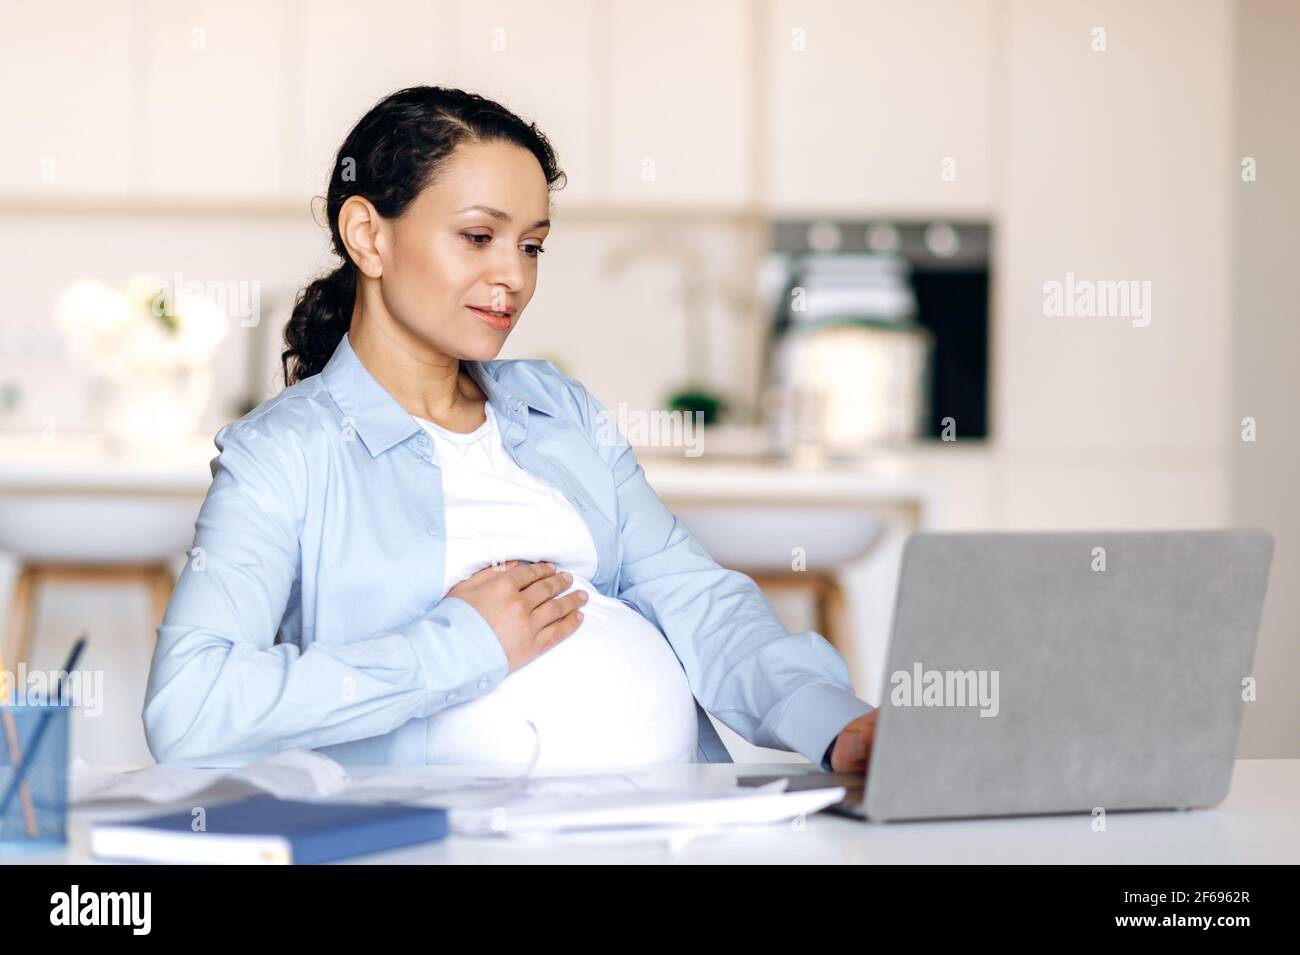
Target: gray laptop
<point x="1062" y="672"/>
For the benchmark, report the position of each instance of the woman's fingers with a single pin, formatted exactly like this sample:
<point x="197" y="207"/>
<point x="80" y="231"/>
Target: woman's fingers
<point x="551" y="610"/>
<point x="552" y="634"/>
<point x="525" y="574"/>
<point x="541" y="591"/>
<point x="528" y="609"/>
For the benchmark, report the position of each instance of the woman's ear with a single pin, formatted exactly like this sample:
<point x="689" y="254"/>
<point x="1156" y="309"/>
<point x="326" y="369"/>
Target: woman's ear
<point x="362" y="230"/>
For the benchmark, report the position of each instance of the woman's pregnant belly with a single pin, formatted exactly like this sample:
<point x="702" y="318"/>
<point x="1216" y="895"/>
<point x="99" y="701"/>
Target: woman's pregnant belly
<point x="611" y="693"/>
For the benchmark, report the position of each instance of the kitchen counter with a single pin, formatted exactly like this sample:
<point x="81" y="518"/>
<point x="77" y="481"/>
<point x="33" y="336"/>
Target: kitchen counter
<point x="85" y="462"/>
<point x="74" y="499"/>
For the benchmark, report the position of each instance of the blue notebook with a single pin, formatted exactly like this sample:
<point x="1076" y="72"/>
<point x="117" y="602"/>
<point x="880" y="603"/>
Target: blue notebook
<point x="269" y="831"/>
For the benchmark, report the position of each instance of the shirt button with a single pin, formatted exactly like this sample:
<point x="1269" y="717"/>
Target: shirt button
<point x="433" y="530"/>
<point x="451" y="696"/>
<point x="422" y="440"/>
<point x="483" y="684"/>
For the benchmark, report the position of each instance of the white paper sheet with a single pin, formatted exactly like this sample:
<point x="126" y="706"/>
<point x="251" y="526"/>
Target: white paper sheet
<point x="295" y="774"/>
<point x="682" y="808"/>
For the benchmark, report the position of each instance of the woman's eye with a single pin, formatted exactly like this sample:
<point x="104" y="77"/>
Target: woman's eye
<point x="532" y="251"/>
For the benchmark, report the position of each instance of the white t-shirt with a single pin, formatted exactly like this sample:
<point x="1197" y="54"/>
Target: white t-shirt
<point x="613" y="691"/>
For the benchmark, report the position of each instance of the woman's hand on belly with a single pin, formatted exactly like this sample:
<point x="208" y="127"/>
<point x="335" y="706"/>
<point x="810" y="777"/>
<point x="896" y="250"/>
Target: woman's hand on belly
<point x="519" y="602"/>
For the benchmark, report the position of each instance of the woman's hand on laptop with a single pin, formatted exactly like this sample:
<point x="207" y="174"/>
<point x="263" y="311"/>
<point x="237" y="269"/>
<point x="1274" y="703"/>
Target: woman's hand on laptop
<point x="519" y="602"/>
<point x="853" y="745"/>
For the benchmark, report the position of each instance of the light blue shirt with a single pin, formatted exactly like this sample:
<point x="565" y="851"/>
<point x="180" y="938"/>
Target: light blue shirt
<point x="312" y="614"/>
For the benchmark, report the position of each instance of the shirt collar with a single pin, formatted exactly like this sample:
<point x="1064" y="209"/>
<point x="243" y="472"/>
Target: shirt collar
<point x="380" y="420"/>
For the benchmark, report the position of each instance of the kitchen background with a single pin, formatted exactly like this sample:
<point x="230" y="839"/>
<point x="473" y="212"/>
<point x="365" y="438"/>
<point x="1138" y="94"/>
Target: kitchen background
<point x="825" y="224"/>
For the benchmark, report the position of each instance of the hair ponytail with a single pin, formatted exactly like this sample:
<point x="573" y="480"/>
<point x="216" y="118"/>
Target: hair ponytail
<point x="388" y="157"/>
<point x="322" y="315"/>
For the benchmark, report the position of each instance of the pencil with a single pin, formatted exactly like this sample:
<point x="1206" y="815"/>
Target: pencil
<point x="16" y="754"/>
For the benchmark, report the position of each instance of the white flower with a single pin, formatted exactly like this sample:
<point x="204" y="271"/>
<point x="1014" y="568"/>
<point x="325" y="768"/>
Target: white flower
<point x="95" y="320"/>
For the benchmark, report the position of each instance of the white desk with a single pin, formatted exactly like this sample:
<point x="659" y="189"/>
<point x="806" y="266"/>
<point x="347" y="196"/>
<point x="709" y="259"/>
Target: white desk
<point x="1259" y="822"/>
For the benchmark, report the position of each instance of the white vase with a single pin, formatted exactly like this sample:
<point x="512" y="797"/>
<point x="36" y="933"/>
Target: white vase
<point x="153" y="409"/>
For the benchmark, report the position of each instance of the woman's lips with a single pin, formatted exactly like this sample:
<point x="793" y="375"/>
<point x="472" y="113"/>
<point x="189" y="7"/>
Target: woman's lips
<point x="496" y="320"/>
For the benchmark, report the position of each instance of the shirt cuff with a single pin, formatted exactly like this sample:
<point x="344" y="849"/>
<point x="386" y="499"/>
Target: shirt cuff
<point x="815" y="715"/>
<point x="826" y="760"/>
<point x="459" y="653"/>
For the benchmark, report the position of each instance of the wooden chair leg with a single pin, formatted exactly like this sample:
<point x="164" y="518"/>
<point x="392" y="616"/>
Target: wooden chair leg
<point x="22" y="608"/>
<point x="829" y="604"/>
<point x="832" y="619"/>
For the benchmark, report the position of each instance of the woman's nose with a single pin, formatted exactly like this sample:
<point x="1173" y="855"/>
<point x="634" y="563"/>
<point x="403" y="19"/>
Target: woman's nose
<point x="505" y="275"/>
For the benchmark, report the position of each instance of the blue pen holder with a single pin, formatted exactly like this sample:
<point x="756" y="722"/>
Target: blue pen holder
<point x="36" y="819"/>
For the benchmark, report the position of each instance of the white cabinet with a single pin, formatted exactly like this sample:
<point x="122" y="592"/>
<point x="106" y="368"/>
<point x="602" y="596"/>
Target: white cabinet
<point x="677" y="94"/>
<point x="878" y="106"/>
<point x="838" y="104"/>
<point x="215" y="98"/>
<point x="352" y="58"/>
<point x="539" y="60"/>
<point x="1117" y="171"/>
<point x="637" y="108"/>
<point x="65" y="103"/>
<point x="510" y="52"/>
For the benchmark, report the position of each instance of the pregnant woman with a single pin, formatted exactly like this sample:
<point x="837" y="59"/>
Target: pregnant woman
<point x="418" y="552"/>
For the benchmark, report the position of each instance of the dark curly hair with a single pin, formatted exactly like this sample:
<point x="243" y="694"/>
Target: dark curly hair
<point x="388" y="157"/>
